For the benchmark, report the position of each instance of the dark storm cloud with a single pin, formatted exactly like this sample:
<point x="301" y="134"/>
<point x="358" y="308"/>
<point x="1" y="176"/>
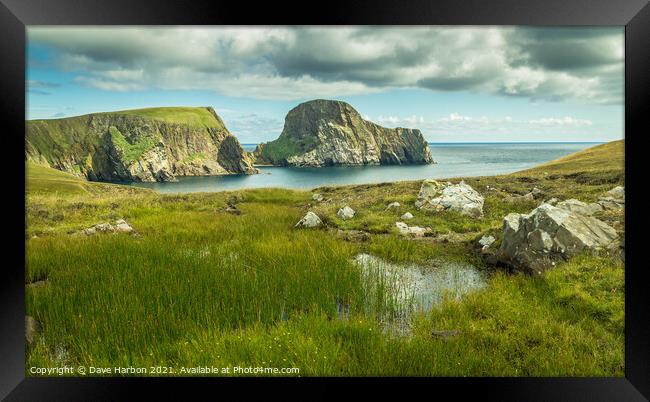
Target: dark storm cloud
<point x="568" y="48"/>
<point x="290" y="63"/>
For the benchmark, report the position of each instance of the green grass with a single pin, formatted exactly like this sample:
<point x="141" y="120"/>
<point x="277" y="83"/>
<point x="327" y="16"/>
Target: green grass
<point x="199" y="286"/>
<point x="131" y="152"/>
<point x="192" y="116"/>
<point x="279" y="150"/>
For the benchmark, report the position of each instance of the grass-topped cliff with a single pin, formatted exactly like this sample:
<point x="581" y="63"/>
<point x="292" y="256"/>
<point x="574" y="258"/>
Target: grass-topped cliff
<point x="223" y="279"/>
<point x="155" y="144"/>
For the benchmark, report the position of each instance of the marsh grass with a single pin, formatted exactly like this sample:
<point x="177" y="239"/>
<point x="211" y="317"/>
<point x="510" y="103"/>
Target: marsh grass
<point x="199" y="286"/>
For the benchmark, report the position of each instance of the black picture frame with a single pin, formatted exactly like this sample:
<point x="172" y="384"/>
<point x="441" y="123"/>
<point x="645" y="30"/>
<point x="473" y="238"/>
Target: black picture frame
<point x="15" y="15"/>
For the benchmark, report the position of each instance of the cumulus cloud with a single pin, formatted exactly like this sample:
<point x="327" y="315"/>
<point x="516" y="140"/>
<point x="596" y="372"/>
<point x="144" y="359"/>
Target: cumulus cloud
<point x="395" y="120"/>
<point x="561" y="121"/>
<point x="293" y="63"/>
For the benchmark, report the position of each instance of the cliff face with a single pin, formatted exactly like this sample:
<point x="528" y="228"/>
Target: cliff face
<point x="139" y="145"/>
<point x="327" y="133"/>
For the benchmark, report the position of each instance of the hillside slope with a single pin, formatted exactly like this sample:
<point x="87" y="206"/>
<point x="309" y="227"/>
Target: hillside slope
<point x="155" y="144"/>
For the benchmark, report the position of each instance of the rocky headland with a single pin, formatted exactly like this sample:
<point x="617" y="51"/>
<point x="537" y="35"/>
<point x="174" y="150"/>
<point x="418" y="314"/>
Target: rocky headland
<point x="144" y="145"/>
<point x="332" y="133"/>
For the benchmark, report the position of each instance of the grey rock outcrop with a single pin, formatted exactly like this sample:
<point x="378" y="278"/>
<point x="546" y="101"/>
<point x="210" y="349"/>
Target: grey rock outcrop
<point x="310" y="220"/>
<point x="535" y="241"/>
<point x="329" y="133"/>
<point x="145" y="145"/>
<point x="121" y="226"/>
<point x="613" y="199"/>
<point x="436" y="196"/>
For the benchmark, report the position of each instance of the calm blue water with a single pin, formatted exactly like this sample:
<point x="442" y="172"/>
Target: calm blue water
<point x="453" y="160"/>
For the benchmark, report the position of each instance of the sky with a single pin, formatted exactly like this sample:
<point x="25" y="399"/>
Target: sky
<point x="454" y="83"/>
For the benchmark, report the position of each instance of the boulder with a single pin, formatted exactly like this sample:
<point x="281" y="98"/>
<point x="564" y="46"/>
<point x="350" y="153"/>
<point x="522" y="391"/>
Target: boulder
<point x="579" y="207"/>
<point x="345" y="213"/>
<point x="317" y="197"/>
<point x="310" y="220"/>
<point x="435" y="196"/>
<point x="407" y="216"/>
<point x="535" y="241"/>
<point x="414" y="231"/>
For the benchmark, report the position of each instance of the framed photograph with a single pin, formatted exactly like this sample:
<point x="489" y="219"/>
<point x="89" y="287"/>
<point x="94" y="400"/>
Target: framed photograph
<point x="239" y="196"/>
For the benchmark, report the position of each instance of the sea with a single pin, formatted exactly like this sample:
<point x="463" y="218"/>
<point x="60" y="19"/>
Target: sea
<point x="452" y="160"/>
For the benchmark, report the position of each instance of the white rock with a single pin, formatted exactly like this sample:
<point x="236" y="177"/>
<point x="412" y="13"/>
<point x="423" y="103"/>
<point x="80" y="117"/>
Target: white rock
<point x="407" y="230"/>
<point x="393" y="205"/>
<point x="435" y="196"/>
<point x="407" y="216"/>
<point x="345" y="213"/>
<point x="310" y="220"/>
<point x="317" y="197"/>
<point x="122" y="226"/>
<point x="486" y="241"/>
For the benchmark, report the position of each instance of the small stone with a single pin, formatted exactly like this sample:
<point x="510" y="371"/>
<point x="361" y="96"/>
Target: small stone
<point x="89" y="231"/>
<point x="536" y="193"/>
<point x="345" y="213"/>
<point x="486" y="241"/>
<point x="36" y="285"/>
<point x="123" y="228"/>
<point x="317" y="197"/>
<point x="393" y="205"/>
<point x="353" y="235"/>
<point x="446" y="334"/>
<point x="32" y="329"/>
<point x="407" y="216"/>
<point x="414" y="231"/>
<point x="232" y="210"/>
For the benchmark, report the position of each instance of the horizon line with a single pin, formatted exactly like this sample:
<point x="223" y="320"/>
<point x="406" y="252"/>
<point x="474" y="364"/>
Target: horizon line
<point x="495" y="142"/>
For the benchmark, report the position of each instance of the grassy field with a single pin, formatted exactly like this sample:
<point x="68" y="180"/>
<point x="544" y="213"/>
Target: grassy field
<point x="201" y="286"/>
